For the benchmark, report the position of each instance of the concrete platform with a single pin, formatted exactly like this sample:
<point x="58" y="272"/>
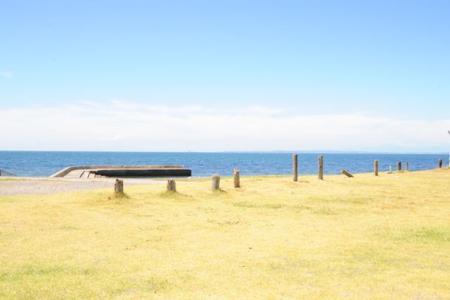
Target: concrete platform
<point x="123" y="171"/>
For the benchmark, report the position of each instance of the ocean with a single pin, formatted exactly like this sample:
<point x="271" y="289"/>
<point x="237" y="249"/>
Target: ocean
<point x="34" y="163"/>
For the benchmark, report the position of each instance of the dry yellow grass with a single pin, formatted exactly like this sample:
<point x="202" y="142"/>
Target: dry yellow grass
<point x="362" y="237"/>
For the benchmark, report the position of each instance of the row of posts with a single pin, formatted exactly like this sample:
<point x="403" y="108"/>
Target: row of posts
<point x="295" y="167"/>
<point x="376" y="167"/>
<point x="215" y="179"/>
<point x="171" y="184"/>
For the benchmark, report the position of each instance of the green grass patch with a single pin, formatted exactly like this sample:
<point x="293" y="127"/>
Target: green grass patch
<point x="438" y="235"/>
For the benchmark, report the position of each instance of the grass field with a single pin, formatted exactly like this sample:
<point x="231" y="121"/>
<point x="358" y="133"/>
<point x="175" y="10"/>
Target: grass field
<point x="353" y="238"/>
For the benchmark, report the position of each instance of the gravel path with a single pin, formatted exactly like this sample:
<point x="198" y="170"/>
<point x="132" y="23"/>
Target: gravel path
<point x="24" y="186"/>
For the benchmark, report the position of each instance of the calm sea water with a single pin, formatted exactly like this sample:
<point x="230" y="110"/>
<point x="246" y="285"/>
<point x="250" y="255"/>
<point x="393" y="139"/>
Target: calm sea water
<point x="205" y="164"/>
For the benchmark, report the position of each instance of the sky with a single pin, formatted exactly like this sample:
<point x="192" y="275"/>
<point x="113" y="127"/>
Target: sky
<point x="225" y="75"/>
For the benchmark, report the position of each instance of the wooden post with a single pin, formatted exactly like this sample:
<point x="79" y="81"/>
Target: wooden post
<point x="215" y="186"/>
<point x="376" y="167"/>
<point x="399" y="166"/>
<point x="118" y="187"/>
<point x="440" y="164"/>
<point x="347" y="173"/>
<point x="171" y="185"/>
<point x="321" y="167"/>
<point x="236" y="178"/>
<point x="295" y="167"/>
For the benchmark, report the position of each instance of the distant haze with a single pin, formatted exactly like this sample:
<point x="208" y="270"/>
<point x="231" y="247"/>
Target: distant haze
<point x="124" y="126"/>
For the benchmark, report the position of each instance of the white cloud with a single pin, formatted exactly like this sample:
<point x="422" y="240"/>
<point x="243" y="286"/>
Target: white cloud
<point x="6" y="74"/>
<point x="131" y="126"/>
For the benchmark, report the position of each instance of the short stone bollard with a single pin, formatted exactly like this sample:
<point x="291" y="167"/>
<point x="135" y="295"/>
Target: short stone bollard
<point x="320" y="161"/>
<point x="236" y="178"/>
<point x="171" y="185"/>
<point x="295" y="167"/>
<point x="118" y="187"/>
<point x="376" y="167"/>
<point x="215" y="182"/>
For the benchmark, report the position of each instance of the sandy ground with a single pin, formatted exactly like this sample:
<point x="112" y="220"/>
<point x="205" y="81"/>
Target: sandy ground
<point x="27" y="185"/>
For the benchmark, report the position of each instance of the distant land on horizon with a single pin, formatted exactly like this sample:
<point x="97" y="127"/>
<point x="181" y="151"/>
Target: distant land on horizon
<point x="249" y="151"/>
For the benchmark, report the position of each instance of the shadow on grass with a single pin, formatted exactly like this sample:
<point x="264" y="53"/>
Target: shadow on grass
<point x="175" y="196"/>
<point x="219" y="192"/>
<point x="247" y="204"/>
<point x="119" y="198"/>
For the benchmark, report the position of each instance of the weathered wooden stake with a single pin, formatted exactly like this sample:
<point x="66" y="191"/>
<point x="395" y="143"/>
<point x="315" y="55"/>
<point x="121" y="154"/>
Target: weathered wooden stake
<point x="215" y="186"/>
<point x="376" y="167"/>
<point x="118" y="187"/>
<point x="295" y="167"/>
<point x="399" y="166"/>
<point x="440" y="164"/>
<point x="347" y="173"/>
<point x="321" y="167"/>
<point x="171" y="185"/>
<point x="236" y="178"/>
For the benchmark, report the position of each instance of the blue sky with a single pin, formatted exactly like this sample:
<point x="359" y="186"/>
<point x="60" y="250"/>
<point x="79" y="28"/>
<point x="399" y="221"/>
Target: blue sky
<point x="389" y="59"/>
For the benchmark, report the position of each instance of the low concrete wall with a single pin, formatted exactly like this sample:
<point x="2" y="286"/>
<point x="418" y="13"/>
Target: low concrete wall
<point x="149" y="172"/>
<point x="67" y="170"/>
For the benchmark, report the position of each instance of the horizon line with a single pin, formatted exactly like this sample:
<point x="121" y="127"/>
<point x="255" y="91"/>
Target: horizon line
<point x="242" y="151"/>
